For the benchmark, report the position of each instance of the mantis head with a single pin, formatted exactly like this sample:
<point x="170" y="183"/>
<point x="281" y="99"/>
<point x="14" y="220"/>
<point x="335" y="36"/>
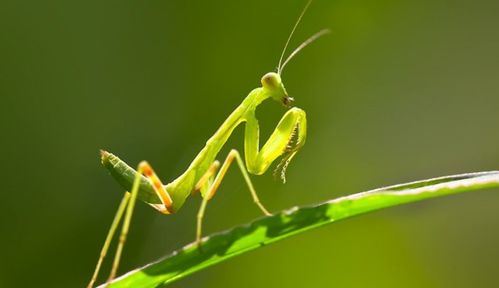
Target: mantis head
<point x="272" y="85"/>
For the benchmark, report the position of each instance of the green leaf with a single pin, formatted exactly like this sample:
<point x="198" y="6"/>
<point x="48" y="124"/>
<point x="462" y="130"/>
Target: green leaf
<point x="222" y="246"/>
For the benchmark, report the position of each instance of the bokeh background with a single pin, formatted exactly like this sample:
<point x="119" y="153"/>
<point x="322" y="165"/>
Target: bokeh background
<point x="401" y="91"/>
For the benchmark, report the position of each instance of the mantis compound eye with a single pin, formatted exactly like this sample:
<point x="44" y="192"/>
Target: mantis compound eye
<point x="271" y="80"/>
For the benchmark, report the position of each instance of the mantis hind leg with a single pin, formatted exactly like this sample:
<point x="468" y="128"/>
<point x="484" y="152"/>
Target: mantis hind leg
<point x="126" y="222"/>
<point x="109" y="237"/>
<point x="211" y="190"/>
<point x="126" y="207"/>
<point x="145" y="169"/>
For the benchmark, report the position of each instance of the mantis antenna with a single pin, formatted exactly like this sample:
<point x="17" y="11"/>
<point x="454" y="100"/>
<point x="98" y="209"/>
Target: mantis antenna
<point x="303" y="45"/>
<point x="291" y="35"/>
<point x="314" y="37"/>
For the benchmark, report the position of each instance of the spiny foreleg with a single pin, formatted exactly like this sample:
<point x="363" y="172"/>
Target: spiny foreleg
<point x="285" y="141"/>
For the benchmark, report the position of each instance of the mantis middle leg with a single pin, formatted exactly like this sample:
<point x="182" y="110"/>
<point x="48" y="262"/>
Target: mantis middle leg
<point x="282" y="141"/>
<point x="210" y="192"/>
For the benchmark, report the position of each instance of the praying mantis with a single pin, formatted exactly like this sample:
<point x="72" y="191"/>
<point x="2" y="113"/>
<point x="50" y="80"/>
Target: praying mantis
<point x="205" y="173"/>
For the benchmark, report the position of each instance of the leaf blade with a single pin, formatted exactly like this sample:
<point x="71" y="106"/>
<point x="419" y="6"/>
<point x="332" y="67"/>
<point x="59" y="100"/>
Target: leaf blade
<point x="223" y="246"/>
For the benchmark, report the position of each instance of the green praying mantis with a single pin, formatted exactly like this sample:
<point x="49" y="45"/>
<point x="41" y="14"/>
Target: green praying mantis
<point x="205" y="173"/>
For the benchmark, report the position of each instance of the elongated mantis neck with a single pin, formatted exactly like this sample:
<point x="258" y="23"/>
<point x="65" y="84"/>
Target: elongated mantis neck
<point x="272" y="87"/>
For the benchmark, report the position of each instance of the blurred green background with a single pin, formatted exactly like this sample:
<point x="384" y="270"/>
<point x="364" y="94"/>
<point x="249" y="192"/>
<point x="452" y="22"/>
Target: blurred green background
<point x="401" y="91"/>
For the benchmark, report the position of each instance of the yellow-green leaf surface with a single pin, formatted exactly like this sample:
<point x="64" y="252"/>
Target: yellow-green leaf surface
<point x="222" y="246"/>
